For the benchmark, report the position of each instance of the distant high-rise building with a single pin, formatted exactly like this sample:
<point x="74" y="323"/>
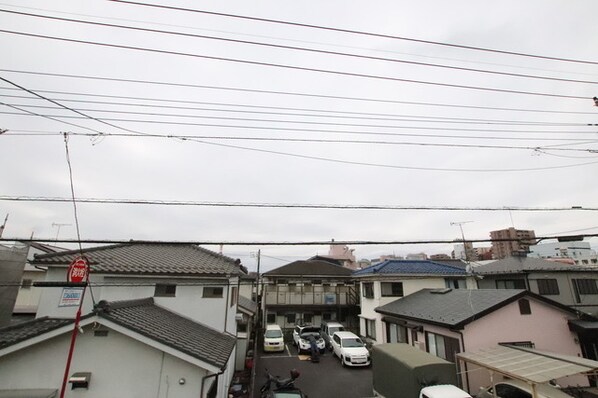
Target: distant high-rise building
<point x="521" y="241"/>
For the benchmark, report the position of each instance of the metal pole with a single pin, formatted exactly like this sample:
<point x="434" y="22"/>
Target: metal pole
<point x="72" y="347"/>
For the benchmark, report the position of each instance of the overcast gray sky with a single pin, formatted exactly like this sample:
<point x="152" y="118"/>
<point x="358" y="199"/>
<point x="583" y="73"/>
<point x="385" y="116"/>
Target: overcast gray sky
<point x="280" y="113"/>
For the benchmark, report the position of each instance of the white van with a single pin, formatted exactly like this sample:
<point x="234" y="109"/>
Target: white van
<point x="443" y="391"/>
<point x="273" y="339"/>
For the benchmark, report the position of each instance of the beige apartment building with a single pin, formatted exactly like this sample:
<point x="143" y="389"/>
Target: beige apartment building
<point x="522" y="240"/>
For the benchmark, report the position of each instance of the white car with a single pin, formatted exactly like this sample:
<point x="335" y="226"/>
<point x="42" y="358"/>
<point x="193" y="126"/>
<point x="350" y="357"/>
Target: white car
<point x="517" y="389"/>
<point x="350" y="349"/>
<point x="301" y="335"/>
<point x="273" y="339"/>
<point x="443" y="391"/>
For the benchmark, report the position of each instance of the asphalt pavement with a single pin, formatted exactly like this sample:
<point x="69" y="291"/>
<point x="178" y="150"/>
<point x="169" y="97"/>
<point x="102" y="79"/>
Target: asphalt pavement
<point x="326" y="379"/>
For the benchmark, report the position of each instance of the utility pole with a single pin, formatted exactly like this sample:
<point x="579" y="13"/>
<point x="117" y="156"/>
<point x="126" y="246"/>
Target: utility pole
<point x="258" y="294"/>
<point x="3" y="225"/>
<point x="460" y="224"/>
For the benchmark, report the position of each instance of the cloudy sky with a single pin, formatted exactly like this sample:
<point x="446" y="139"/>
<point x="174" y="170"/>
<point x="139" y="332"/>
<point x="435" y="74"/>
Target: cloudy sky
<point x="476" y="106"/>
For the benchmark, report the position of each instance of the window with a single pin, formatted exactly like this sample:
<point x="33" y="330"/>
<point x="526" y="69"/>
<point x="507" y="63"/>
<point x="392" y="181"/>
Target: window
<point x="392" y="289"/>
<point x="548" y="287"/>
<point x="510" y="284"/>
<point x="586" y="286"/>
<point x="442" y="346"/>
<point x="370" y="328"/>
<point x="281" y="281"/>
<point x="327" y="316"/>
<point x="212" y="292"/>
<point x="26" y="283"/>
<point x="396" y="333"/>
<point x="233" y="296"/>
<point x="271" y="317"/>
<point x="455" y="283"/>
<point x="291" y="317"/>
<point x="164" y="290"/>
<point x="527" y="344"/>
<point x="368" y="290"/>
<point x="524" y="307"/>
<point x="308" y="318"/>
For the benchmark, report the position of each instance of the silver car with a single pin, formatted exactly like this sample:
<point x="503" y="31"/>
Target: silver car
<point x="517" y="389"/>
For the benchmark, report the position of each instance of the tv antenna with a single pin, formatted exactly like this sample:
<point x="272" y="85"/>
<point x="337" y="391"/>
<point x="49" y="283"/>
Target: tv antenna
<point x="59" y="225"/>
<point x="460" y="224"/>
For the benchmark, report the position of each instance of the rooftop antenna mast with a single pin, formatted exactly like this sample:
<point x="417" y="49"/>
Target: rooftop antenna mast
<point x="460" y="224"/>
<point x="59" y="225"/>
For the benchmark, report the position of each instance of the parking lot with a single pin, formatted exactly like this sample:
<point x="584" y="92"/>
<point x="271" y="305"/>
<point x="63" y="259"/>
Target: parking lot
<point x="324" y="379"/>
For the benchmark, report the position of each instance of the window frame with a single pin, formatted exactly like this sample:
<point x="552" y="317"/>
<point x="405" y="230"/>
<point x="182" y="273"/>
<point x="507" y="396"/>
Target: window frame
<point x="165" y="290"/>
<point x="214" y="294"/>
<point x="367" y="289"/>
<point x="548" y="287"/>
<point x="392" y="293"/>
<point x="525" y="307"/>
<point x="586" y="286"/>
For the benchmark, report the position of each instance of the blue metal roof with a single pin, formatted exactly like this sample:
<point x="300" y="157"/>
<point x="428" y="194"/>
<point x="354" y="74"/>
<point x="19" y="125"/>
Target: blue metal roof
<point x="402" y="267"/>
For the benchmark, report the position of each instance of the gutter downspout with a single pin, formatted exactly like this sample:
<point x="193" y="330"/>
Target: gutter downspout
<point x="465" y="362"/>
<point x="227" y="302"/>
<point x="203" y="380"/>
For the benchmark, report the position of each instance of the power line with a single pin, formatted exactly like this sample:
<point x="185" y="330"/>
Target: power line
<point x="290" y="93"/>
<point x="328" y="131"/>
<point x="477" y="61"/>
<point x="284" y="243"/>
<point x="346" y="141"/>
<point x="543" y="149"/>
<point x="388" y="166"/>
<point x="289" y="205"/>
<point x="294" y="67"/>
<point x="357" y="32"/>
<point x="63" y="106"/>
<point x="330" y="114"/>
<point x="305" y="49"/>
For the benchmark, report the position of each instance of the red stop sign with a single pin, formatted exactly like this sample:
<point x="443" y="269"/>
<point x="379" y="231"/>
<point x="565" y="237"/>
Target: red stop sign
<point x="78" y="270"/>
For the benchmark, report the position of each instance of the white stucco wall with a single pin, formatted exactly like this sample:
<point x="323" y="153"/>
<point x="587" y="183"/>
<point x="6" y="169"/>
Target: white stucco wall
<point x="120" y="367"/>
<point x="214" y="312"/>
<point x="368" y="305"/>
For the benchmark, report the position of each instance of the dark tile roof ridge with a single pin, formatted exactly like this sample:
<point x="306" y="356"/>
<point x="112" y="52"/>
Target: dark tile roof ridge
<point x="47" y="248"/>
<point x="78" y="251"/>
<point x="214" y="254"/>
<point x="107" y="306"/>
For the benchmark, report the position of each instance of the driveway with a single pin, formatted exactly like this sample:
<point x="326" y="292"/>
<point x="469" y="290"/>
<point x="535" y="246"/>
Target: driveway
<point x="326" y="379"/>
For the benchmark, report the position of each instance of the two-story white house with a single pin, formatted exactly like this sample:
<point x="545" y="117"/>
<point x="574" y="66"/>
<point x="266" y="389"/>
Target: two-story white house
<point x="384" y="282"/>
<point x="158" y="320"/>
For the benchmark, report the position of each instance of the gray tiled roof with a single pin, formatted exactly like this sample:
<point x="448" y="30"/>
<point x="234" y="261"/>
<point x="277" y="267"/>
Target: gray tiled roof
<point x="182" y="334"/>
<point x="512" y="265"/>
<point x="25" y="330"/>
<point x="148" y="258"/>
<point x="310" y="268"/>
<point x="448" y="307"/>
<point x="247" y="304"/>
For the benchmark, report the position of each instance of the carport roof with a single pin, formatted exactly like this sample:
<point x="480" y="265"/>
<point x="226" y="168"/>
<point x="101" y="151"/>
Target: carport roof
<point x="528" y="364"/>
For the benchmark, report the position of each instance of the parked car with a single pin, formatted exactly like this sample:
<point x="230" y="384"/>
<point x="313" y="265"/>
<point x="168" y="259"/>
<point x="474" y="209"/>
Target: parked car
<point x="328" y="329"/>
<point x="443" y="391"/>
<point x="350" y="349"/>
<point x="517" y="389"/>
<point x="273" y="339"/>
<point x="301" y="336"/>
